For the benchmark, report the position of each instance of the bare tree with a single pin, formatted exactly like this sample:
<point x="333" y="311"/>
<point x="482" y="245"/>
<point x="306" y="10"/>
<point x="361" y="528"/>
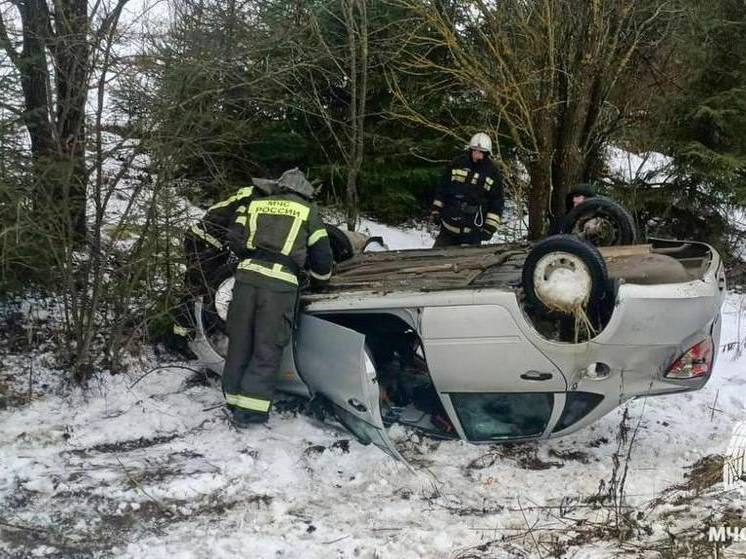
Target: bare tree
<point x="329" y="81"/>
<point x="554" y="75"/>
<point x="53" y="65"/>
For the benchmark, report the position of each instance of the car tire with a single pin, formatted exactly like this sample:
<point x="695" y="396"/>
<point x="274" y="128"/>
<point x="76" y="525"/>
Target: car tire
<point x="584" y="273"/>
<point x="617" y="224"/>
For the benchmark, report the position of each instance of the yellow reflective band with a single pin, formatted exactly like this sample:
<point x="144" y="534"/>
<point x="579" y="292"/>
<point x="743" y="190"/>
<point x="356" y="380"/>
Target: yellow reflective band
<point x="489" y="181"/>
<point x="248" y="403"/>
<point x="322" y="277"/>
<point x="252" y="229"/>
<point x="492" y="222"/>
<point x="462" y="172"/>
<point x="180" y="330"/>
<point x="292" y="236"/>
<point x="316" y="236"/>
<point x="244" y="192"/>
<point x="476" y="176"/>
<point x="205" y="236"/>
<point x="250" y="266"/>
<point x="493" y="217"/>
<point x="456" y="230"/>
<point x="280" y="207"/>
<point x="241" y="219"/>
<point x="437" y="203"/>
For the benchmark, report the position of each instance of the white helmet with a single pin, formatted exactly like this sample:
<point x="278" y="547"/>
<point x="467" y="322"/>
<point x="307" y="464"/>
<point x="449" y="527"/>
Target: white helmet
<point x="481" y="142"/>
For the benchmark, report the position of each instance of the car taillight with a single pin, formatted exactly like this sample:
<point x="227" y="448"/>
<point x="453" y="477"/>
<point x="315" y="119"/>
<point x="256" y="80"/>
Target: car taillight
<point x="694" y="363"/>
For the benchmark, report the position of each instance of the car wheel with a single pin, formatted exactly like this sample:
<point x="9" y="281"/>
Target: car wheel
<point x="563" y="274"/>
<point x="601" y="221"/>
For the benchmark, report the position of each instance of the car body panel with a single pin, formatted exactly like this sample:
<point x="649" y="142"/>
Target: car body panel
<point x="481" y="341"/>
<point x="479" y="348"/>
<point x="333" y="363"/>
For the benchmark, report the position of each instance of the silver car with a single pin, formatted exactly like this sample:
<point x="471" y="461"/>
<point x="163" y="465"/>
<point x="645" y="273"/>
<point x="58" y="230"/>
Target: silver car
<point x="476" y="344"/>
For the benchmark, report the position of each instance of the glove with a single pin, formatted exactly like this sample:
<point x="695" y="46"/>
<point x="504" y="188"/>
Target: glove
<point x="488" y="231"/>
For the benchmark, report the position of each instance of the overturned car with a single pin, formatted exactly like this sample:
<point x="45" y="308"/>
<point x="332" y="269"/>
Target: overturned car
<point x="496" y="343"/>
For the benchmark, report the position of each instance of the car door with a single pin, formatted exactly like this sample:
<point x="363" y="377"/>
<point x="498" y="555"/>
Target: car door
<point x="495" y="384"/>
<point x="335" y="363"/>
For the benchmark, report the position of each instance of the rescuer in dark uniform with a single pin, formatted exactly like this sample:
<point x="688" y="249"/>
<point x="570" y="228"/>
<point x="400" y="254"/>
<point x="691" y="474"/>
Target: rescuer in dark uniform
<point x="206" y="252"/>
<point x="469" y="201"/>
<point x="576" y="196"/>
<point x="274" y="237"/>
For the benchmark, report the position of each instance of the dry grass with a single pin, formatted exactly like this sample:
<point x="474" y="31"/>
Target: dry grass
<point x="703" y="474"/>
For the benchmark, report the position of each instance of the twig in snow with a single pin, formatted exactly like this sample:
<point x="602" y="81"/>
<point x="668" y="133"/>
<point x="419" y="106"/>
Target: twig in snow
<point x="137" y="485"/>
<point x="25" y="528"/>
<point x="30" y="331"/>
<point x="164" y="367"/>
<point x="337" y="540"/>
<point x="530" y="529"/>
<point x="714" y="405"/>
<point x="216" y="406"/>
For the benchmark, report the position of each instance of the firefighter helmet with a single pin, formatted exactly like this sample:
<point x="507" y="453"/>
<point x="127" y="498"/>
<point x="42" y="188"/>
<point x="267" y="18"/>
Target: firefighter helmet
<point x="268" y="186"/>
<point x="295" y="180"/>
<point x="481" y="142"/>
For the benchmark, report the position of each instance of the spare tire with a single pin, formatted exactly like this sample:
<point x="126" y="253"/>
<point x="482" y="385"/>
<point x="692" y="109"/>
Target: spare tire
<point x="601" y="221"/>
<point x="563" y="273"/>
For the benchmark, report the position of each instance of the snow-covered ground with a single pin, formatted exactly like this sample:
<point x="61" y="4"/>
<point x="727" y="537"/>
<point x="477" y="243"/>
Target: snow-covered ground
<point x="628" y="166"/>
<point x="144" y="464"/>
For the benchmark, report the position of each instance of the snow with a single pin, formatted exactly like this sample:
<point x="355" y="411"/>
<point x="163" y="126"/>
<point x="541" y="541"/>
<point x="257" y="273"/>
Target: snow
<point x="564" y="288"/>
<point x="649" y="166"/>
<point x="398" y="238"/>
<point x="144" y="464"/>
<point x="416" y="235"/>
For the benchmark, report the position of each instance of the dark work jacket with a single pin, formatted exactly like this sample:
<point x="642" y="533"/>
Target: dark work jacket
<point x="275" y="236"/>
<point x="212" y="229"/>
<point x="469" y="195"/>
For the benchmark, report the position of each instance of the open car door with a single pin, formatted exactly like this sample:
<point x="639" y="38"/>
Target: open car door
<point x="335" y="363"/>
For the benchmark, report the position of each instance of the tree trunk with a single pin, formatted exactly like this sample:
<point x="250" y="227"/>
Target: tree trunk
<point x="31" y="64"/>
<point x="72" y="61"/>
<point x="56" y="126"/>
<point x="351" y="198"/>
<point x="356" y="21"/>
<point x="538" y="198"/>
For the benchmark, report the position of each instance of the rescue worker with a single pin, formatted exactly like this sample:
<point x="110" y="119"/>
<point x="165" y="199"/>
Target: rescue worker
<point x="206" y="250"/>
<point x="274" y="237"/>
<point x="469" y="201"/>
<point x="576" y="196"/>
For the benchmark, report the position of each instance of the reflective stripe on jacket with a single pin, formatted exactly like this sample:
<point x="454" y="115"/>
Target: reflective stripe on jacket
<point x="287" y="226"/>
<point x="469" y="195"/>
<point x="214" y="226"/>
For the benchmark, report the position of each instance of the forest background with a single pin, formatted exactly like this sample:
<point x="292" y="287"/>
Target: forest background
<point x="118" y="117"/>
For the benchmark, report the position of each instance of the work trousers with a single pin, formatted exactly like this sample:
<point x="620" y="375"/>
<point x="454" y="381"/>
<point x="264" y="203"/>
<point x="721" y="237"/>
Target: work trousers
<point x="447" y="239"/>
<point x="260" y="323"/>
